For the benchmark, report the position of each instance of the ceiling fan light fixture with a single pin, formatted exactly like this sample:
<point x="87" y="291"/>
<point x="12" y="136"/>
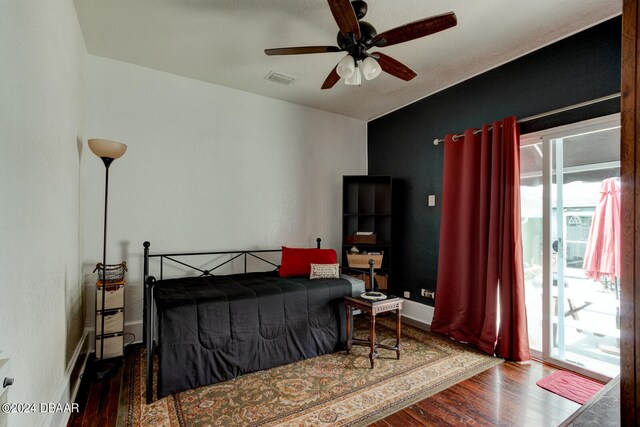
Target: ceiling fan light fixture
<point x="346" y="67"/>
<point x="355" y="79"/>
<point x="356" y="37"/>
<point x="370" y="68"/>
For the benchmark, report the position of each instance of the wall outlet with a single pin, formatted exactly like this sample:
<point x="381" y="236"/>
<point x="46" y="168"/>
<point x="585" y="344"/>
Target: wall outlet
<point x="427" y="293"/>
<point x="407" y="294"/>
<point x="431" y="200"/>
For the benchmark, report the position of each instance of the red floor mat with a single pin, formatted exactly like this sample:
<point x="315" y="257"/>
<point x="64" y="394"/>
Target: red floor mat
<point x="571" y="386"/>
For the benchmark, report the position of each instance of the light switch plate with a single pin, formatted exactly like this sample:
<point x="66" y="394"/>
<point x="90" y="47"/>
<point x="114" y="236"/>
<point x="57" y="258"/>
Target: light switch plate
<point x="407" y="294"/>
<point x="432" y="199"/>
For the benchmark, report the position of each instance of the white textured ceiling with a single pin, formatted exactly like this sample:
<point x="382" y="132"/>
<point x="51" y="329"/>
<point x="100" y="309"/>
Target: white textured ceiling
<point x="222" y="42"/>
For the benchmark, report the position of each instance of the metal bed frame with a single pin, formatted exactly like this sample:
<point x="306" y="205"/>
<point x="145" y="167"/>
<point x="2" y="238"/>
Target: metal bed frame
<point x="149" y="313"/>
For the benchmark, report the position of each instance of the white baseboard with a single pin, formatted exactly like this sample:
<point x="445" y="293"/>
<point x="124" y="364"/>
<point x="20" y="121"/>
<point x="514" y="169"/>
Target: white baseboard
<point x="66" y="395"/>
<point x="418" y="312"/>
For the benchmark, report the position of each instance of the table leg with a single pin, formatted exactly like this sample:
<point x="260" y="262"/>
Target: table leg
<point x="348" y="307"/>
<point x="398" y="317"/>
<point x="372" y="337"/>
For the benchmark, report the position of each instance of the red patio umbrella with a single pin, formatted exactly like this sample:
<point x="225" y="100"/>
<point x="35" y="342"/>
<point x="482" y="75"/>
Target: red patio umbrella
<point x="602" y="256"/>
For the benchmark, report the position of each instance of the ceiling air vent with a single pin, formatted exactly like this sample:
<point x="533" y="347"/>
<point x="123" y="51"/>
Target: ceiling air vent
<point x="279" y="78"/>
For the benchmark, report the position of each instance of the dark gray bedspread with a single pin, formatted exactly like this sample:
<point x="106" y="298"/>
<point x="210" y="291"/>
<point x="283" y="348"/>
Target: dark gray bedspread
<point x="214" y="328"/>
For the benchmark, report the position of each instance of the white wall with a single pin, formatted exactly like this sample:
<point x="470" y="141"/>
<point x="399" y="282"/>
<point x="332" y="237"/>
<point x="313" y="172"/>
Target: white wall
<point x="42" y="60"/>
<point x="208" y="167"/>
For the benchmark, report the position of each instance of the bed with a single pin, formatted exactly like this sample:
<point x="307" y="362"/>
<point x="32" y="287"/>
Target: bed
<point x="211" y="328"/>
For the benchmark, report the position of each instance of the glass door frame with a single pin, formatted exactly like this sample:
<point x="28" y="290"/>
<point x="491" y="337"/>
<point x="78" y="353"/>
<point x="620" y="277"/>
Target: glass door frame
<point x="547" y="151"/>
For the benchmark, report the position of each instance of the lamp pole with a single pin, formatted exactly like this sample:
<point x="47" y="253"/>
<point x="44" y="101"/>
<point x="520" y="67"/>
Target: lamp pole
<point x="103" y="370"/>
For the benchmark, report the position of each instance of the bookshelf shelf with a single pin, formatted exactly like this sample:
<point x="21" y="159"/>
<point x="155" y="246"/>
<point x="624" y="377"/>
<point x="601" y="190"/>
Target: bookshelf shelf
<point x="366" y="202"/>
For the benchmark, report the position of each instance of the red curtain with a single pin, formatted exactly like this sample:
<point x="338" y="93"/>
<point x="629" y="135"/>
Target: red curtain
<point x="480" y="259"/>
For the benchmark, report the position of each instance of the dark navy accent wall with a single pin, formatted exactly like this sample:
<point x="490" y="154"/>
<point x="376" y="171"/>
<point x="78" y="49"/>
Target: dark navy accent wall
<point x="579" y="68"/>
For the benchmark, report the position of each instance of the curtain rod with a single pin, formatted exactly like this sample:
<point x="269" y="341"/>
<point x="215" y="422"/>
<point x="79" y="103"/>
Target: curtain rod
<point x="541" y="115"/>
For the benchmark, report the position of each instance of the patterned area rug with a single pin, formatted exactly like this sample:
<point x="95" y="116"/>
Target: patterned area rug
<point x="331" y="390"/>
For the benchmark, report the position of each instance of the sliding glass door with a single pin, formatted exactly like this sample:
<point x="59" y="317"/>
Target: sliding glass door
<point x="573" y="311"/>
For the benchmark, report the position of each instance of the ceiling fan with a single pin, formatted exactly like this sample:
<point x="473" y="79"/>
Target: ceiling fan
<point x="356" y="37"/>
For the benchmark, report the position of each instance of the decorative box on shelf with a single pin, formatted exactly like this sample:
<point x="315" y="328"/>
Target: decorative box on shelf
<point x="113" y="345"/>
<point x="113" y="321"/>
<point x="113" y="295"/>
<point x="361" y="260"/>
<point x="364" y="238"/>
<point x="381" y="281"/>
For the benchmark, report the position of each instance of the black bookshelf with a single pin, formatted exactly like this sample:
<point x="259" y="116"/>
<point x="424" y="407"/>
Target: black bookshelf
<point x="366" y="206"/>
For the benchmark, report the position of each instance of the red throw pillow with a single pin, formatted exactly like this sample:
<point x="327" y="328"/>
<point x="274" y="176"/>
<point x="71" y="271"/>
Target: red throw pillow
<point x="297" y="261"/>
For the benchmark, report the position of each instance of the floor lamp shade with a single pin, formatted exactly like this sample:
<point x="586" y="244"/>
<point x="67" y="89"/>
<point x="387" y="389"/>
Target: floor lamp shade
<point x="107" y="148"/>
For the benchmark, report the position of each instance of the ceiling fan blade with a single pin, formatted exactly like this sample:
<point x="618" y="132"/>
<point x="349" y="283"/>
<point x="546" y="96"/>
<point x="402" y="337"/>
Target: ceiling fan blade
<point x="394" y="67"/>
<point x="415" y="30"/>
<point x="345" y="17"/>
<point x="301" y="50"/>
<point x="331" y="79"/>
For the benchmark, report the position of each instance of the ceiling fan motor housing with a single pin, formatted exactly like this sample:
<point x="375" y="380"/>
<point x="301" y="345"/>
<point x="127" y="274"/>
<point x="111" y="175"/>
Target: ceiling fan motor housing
<point x="358" y="48"/>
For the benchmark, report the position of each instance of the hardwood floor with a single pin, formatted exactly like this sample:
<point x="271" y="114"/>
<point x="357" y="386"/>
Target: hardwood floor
<point x="98" y="399"/>
<point x="505" y="395"/>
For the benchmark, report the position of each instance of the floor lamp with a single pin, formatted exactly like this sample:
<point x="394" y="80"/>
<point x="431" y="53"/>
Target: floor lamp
<point x="108" y="151"/>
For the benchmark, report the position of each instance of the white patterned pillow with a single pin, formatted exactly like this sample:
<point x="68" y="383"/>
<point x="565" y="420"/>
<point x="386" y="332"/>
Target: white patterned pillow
<point x="325" y="271"/>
